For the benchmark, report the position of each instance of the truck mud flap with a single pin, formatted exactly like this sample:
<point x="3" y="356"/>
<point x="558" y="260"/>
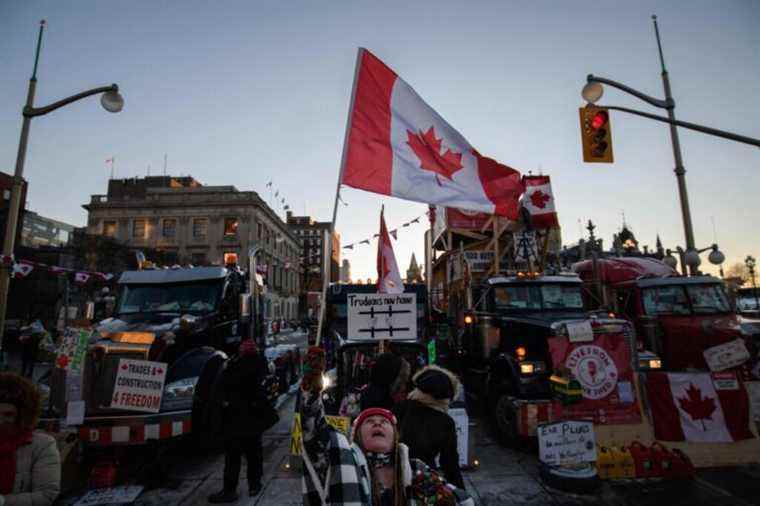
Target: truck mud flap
<point x="134" y="432"/>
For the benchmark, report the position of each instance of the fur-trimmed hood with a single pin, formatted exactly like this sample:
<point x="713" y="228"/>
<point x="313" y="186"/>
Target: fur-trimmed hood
<point x="426" y="398"/>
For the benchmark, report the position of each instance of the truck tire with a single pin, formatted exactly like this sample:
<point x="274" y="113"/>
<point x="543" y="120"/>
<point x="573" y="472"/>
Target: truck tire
<point x="582" y="481"/>
<point x="504" y="417"/>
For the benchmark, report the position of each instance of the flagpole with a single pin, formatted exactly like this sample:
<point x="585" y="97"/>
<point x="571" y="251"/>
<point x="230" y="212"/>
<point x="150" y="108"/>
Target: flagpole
<point x="326" y="281"/>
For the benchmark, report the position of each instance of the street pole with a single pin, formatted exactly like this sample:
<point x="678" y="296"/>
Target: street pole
<point x="680" y="170"/>
<point x="15" y="202"/>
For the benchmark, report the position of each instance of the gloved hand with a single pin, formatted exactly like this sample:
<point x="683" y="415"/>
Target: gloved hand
<point x="313" y="367"/>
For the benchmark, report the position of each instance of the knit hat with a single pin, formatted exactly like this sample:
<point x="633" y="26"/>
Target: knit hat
<point x="372" y="412"/>
<point x="435" y="383"/>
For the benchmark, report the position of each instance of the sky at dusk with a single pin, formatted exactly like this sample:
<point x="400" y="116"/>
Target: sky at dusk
<point x="244" y="92"/>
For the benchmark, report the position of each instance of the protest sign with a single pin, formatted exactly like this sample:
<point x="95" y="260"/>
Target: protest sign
<point x="139" y="385"/>
<point x="566" y="443"/>
<point x="376" y="316"/>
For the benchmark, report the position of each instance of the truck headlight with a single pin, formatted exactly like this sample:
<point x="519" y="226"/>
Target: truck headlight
<point x="181" y="389"/>
<point x="326" y="381"/>
<point x="526" y="368"/>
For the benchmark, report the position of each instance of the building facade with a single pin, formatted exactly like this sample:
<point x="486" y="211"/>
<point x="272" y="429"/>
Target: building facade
<point x="345" y="271"/>
<point x="414" y="272"/>
<point x="313" y="236"/>
<point x="38" y="231"/>
<point x="190" y="223"/>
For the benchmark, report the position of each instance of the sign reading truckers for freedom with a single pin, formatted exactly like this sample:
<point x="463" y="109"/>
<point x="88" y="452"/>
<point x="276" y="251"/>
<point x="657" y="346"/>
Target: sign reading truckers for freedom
<point x="375" y="316"/>
<point x="139" y="385"/>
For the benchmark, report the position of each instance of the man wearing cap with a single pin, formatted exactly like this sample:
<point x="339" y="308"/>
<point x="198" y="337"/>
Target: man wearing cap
<point x="424" y="423"/>
<point x="369" y="468"/>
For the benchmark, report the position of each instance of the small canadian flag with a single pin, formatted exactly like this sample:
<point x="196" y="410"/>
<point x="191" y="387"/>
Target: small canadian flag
<point x="22" y="269"/>
<point x="538" y="199"/>
<point x="81" y="277"/>
<point x="388" y="277"/>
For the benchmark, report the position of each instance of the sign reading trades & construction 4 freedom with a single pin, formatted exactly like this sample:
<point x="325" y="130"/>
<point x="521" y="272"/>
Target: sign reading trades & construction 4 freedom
<point x="139" y="385"/>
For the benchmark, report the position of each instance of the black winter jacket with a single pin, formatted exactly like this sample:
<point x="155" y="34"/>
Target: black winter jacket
<point x="244" y="396"/>
<point x="429" y="433"/>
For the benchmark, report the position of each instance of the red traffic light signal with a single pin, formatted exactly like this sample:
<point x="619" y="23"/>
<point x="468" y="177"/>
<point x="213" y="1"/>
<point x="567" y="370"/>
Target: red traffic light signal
<point x="596" y="134"/>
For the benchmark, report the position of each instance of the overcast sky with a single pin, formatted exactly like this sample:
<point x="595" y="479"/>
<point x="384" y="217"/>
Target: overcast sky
<point x="243" y="92"/>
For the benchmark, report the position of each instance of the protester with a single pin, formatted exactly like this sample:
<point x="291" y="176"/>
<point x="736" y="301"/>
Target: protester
<point x="30" y="466"/>
<point x="387" y="382"/>
<point x="247" y="413"/>
<point x="424" y="424"/>
<point x="30" y="338"/>
<point x="371" y="468"/>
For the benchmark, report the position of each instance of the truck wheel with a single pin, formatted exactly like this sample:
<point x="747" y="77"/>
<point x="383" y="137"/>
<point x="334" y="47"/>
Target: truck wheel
<point x="505" y="421"/>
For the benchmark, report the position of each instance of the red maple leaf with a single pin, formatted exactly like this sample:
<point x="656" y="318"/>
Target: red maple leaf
<point x="124" y="367"/>
<point x="428" y="150"/>
<point x="539" y="199"/>
<point x="698" y="407"/>
<point x="63" y="361"/>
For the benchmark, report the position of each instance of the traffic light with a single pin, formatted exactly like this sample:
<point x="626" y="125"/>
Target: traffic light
<point x="596" y="133"/>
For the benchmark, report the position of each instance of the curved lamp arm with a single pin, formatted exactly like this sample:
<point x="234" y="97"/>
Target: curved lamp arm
<point x="31" y="112"/>
<point x="662" y="104"/>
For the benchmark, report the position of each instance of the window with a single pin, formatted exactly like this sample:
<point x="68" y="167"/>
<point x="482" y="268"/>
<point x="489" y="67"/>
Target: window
<point x="230" y="226"/>
<point x="707" y="299"/>
<point x="200" y="228"/>
<point x="665" y="300"/>
<point x="198" y="258"/>
<point x="170" y="228"/>
<point x="109" y="228"/>
<point x="535" y="296"/>
<point x="260" y="228"/>
<point x="138" y="229"/>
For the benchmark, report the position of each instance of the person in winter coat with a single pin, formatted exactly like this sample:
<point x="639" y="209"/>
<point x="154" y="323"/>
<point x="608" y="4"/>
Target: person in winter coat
<point x="368" y="468"/>
<point x="424" y="423"/>
<point x="246" y="414"/>
<point x="387" y="381"/>
<point x="30" y="466"/>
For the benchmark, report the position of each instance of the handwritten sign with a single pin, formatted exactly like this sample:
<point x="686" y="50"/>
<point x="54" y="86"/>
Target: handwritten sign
<point x="461" y="421"/>
<point x="580" y="332"/>
<point x="568" y="442"/>
<point x="139" y="385"/>
<point x="115" y="495"/>
<point x="376" y="316"/>
<point x="73" y="350"/>
<point x="727" y="355"/>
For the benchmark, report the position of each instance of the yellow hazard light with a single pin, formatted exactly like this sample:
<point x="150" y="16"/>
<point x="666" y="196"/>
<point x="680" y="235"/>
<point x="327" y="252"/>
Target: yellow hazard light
<point x="132" y="337"/>
<point x="521" y="352"/>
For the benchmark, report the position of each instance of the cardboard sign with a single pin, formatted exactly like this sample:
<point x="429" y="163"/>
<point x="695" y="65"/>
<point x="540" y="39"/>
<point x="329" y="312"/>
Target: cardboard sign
<point x="341" y="423"/>
<point x="73" y="350"/>
<point x="139" y="385"/>
<point x="568" y="442"/>
<point x="727" y="355"/>
<point x="525" y="248"/>
<point x="580" y="332"/>
<point x="725" y="381"/>
<point x="462" y="422"/>
<point x="376" y="316"/>
<point x="75" y="413"/>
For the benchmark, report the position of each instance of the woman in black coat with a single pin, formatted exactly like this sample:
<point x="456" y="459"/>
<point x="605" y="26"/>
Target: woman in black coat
<point x="424" y="424"/>
<point x="246" y="415"/>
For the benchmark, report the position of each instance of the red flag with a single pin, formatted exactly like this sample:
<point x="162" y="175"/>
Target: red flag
<point x="388" y="278"/>
<point x="698" y="407"/>
<point x="398" y="145"/>
<point x="539" y="201"/>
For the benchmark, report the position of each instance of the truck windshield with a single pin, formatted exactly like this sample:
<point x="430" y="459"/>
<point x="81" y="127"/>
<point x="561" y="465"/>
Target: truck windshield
<point x="538" y="296"/>
<point x="182" y="297"/>
<point x="685" y="299"/>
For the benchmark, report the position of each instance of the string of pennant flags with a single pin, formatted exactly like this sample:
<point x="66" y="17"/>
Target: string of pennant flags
<point x="20" y="269"/>
<point x="393" y="233"/>
<point x="278" y="200"/>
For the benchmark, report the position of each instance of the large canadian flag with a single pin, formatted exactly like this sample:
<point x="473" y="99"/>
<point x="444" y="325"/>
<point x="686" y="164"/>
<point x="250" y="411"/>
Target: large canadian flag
<point x="398" y="145"/>
<point x="691" y="407"/>
<point x="388" y="277"/>
<point x="539" y="201"/>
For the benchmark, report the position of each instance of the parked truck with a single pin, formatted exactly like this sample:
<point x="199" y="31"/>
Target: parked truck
<point x="186" y="320"/>
<point x="675" y="316"/>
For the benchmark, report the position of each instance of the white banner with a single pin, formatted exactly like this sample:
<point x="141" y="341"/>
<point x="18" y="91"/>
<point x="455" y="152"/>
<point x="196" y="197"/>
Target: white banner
<point x="139" y="385"/>
<point x="376" y="316"/>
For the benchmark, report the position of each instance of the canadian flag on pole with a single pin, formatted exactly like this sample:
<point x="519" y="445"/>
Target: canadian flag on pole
<point x="398" y="145"/>
<point x="388" y="278"/>
<point x="691" y="407"/>
<point x="539" y="201"/>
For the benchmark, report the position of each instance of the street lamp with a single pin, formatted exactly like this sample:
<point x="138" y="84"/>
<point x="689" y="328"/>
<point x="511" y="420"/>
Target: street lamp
<point x="750" y="263"/>
<point x="111" y="100"/>
<point x="690" y="258"/>
<point x="593" y="91"/>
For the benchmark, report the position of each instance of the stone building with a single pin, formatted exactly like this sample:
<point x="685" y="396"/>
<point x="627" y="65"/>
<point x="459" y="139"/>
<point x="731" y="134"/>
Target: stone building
<point x="190" y="223"/>
<point x="38" y="231"/>
<point x="414" y="272"/>
<point x="313" y="236"/>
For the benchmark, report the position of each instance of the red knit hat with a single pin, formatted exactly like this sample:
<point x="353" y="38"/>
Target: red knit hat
<point x="373" y="412"/>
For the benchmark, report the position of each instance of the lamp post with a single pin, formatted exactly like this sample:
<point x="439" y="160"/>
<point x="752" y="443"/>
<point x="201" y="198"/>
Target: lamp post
<point x="111" y="101"/>
<point x="690" y="258"/>
<point x="593" y="91"/>
<point x="750" y="263"/>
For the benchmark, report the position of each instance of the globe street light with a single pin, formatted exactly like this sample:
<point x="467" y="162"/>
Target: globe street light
<point x="690" y="258"/>
<point x="111" y="101"/>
